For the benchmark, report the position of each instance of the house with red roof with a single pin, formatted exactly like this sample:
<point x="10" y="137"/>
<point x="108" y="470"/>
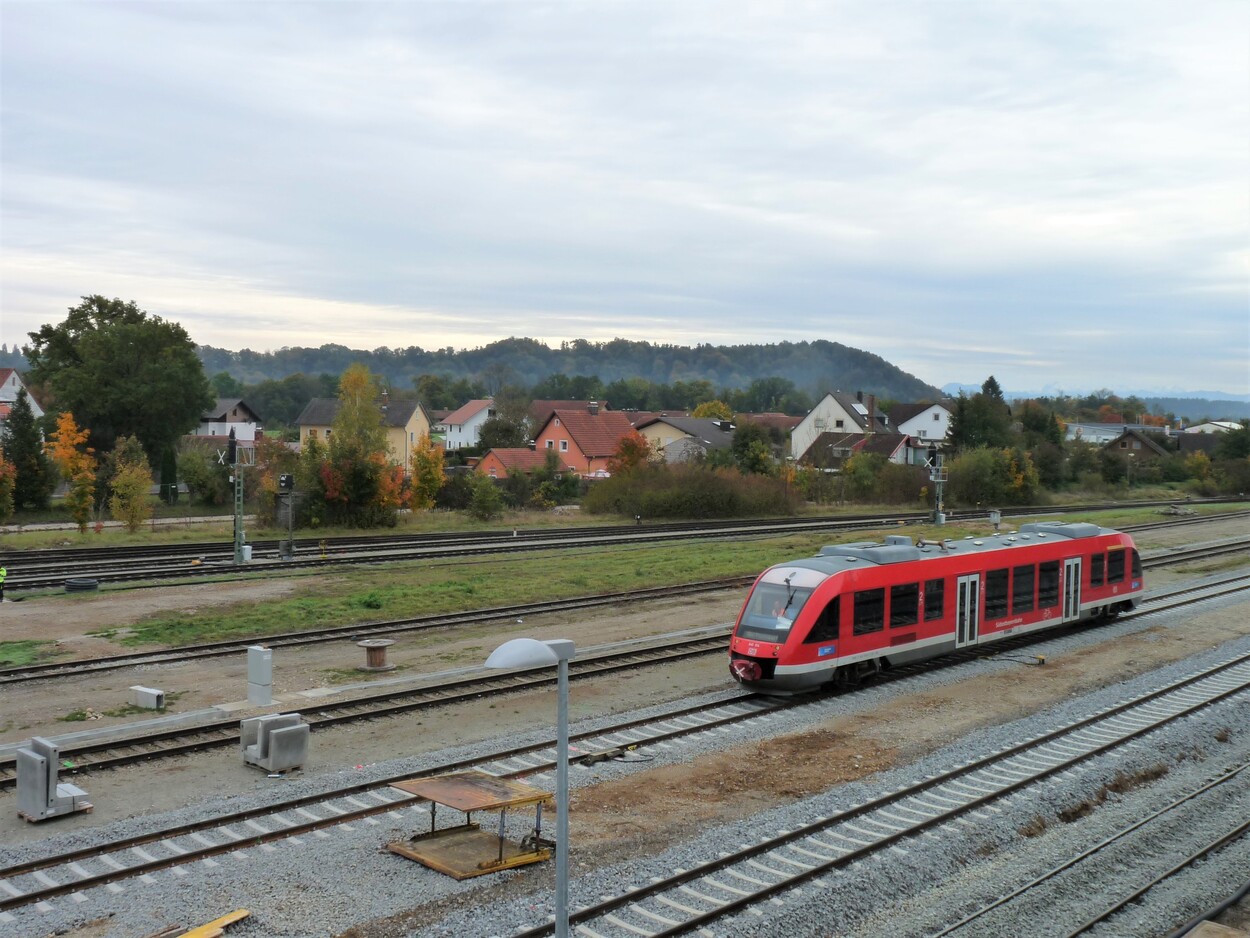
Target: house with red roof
<point x="585" y="439"/>
<point x="497" y="463"/>
<point x="462" y="427"/>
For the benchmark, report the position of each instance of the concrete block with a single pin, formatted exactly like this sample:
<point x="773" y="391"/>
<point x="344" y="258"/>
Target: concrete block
<point x="39" y="795"/>
<point x="148" y="697"/>
<point x="260" y="665"/>
<point x="276" y="741"/>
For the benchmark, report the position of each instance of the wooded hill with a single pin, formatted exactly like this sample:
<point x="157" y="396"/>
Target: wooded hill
<point x="815" y="367"/>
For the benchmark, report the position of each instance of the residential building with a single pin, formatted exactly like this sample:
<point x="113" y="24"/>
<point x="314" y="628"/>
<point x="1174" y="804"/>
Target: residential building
<point x="584" y="439"/>
<point x="461" y="428"/>
<point x="230" y="414"/>
<point x="926" y="423"/>
<point x="1214" y="426"/>
<point x="682" y="439"/>
<point x="837" y="412"/>
<point x="497" y="463"/>
<point x="10" y="384"/>
<point x="405" y="423"/>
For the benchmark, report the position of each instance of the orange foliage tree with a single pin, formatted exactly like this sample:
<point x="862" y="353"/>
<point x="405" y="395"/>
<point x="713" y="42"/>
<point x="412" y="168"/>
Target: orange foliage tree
<point x="67" y="448"/>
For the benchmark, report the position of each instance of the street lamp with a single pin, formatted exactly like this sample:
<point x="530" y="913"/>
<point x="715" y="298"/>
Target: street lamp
<point x="531" y="653"/>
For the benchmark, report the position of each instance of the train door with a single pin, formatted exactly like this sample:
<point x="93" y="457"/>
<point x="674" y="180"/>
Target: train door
<point x="967" y="609"/>
<point x="1071" y="589"/>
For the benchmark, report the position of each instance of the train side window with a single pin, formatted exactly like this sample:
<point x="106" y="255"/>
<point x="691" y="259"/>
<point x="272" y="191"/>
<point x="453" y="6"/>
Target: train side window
<point x="934" y="599"/>
<point x="1115" y="566"/>
<point x="1096" y="563"/>
<point x="1048" y="584"/>
<point x="996" y="594"/>
<point x="1022" y="580"/>
<point x="869" y="612"/>
<point x="904" y="604"/>
<point x="826" y="627"/>
<point x="1136" y="565"/>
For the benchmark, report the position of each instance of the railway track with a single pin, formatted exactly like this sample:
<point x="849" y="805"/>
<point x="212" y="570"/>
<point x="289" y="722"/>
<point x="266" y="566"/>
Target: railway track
<point x="49" y="670"/>
<point x="711" y="893"/>
<point x="1158" y="848"/>
<point x="153" y="564"/>
<point x="72" y="872"/>
<point x="67" y="879"/>
<point x="217" y="733"/>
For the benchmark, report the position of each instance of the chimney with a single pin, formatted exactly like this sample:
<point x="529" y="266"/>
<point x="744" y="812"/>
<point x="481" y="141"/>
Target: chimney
<point x="592" y="408"/>
<point x="859" y="396"/>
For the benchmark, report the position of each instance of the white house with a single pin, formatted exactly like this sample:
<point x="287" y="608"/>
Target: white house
<point x="463" y="426"/>
<point x="230" y="413"/>
<point x="837" y="413"/>
<point x="1214" y="426"/>
<point x="924" y="423"/>
<point x="10" y="384"/>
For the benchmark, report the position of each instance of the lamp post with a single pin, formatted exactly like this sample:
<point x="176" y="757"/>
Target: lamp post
<point x="531" y="653"/>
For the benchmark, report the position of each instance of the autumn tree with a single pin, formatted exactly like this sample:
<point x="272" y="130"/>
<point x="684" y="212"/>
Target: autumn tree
<point x="633" y="451"/>
<point x="8" y="478"/>
<point x="427" y="473"/>
<point x="75" y="460"/>
<point x="359" y="484"/>
<point x="717" y="410"/>
<point x="130" y="484"/>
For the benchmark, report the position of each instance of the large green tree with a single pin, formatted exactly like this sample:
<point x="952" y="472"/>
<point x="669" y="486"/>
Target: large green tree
<point x="23" y="444"/>
<point x="122" y="373"/>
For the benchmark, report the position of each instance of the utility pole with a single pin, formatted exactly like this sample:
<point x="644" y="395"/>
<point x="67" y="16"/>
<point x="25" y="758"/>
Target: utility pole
<point x="937" y="475"/>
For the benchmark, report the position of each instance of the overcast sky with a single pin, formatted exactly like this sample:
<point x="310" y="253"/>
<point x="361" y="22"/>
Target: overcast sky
<point x="1056" y="193"/>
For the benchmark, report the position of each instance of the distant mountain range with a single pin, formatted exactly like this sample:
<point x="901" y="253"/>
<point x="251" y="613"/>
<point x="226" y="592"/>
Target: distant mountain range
<point x="1190" y="406"/>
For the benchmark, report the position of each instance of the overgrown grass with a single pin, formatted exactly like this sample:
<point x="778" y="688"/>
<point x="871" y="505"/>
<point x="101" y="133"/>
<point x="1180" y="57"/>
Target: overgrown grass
<point x="455" y="585"/>
<point x="18" y="654"/>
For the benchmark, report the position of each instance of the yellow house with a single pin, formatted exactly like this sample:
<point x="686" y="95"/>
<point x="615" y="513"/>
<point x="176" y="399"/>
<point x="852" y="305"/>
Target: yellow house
<point x="405" y="423"/>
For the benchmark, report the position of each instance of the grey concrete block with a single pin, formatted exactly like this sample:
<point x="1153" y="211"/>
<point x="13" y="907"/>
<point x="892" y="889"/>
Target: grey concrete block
<point x="148" y="697"/>
<point x="39" y="795"/>
<point x="276" y="741"/>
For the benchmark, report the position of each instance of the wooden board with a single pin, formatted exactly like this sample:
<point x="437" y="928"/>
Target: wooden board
<point x="474" y="791"/>
<point x="464" y="852"/>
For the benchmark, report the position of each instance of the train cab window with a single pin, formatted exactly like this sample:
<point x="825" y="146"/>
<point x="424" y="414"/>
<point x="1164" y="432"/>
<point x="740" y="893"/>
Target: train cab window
<point x="869" y="611"/>
<point x="904" y="604"/>
<point x="771" y="611"/>
<point x="826" y="627"/>
<point x="1048" y="584"/>
<point x="934" y="599"/>
<point x="996" y="594"/>
<point x="1096" y="565"/>
<point x="1022" y="580"/>
<point x="1115" y="566"/>
<point x="1136" y="565"/>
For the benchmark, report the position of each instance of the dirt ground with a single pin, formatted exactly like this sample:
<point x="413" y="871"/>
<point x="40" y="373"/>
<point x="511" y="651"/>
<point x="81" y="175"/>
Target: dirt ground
<point x="610" y="821"/>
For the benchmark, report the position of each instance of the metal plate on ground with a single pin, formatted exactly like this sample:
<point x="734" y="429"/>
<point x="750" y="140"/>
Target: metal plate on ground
<point x="474" y="791"/>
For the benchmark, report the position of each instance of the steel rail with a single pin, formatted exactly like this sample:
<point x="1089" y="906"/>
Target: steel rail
<point x="748" y="898"/>
<point x="41" y="670"/>
<point x="750" y="706"/>
<point x="1050" y="874"/>
<point x="378" y="550"/>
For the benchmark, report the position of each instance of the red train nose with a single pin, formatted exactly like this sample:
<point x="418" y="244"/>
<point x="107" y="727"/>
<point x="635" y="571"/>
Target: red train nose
<point x="744" y="669"/>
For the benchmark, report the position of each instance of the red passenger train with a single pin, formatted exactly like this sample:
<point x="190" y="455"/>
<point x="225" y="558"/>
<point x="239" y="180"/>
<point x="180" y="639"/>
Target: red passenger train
<point x="855" y="609"/>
